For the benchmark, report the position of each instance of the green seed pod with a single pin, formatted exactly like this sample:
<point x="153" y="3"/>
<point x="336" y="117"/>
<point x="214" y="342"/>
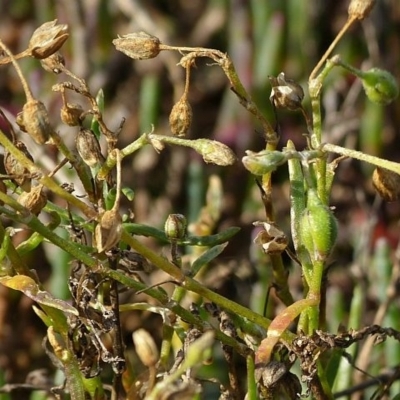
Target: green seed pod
<point x="263" y="162"/>
<point x="318" y="227"/>
<point x="175" y="226"/>
<point x="380" y="86"/>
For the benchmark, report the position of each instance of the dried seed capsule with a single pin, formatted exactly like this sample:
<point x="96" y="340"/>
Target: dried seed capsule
<point x="88" y="147"/>
<point x="318" y="228"/>
<point x="180" y="117"/>
<point x="214" y="152"/>
<point x="36" y="121"/>
<point x="386" y="183"/>
<point x="47" y="39"/>
<point x="286" y="93"/>
<point x="20" y="175"/>
<point x="108" y="231"/>
<point x="35" y="200"/>
<point x="175" y="226"/>
<point x="54" y="63"/>
<point x="145" y="347"/>
<point x="138" y="45"/>
<point x="380" y="86"/>
<point x="71" y="113"/>
<point x="360" y="9"/>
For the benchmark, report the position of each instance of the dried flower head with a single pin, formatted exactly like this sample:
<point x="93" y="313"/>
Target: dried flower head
<point x="138" y="45"/>
<point x="180" y="117"/>
<point x="54" y="63"/>
<point x="108" y="231"/>
<point x="47" y="39"/>
<point x="71" y="114"/>
<point x="34" y="200"/>
<point x="286" y="93"/>
<point x="88" y="147"/>
<point x="360" y="9"/>
<point x="386" y="183"/>
<point x="18" y="173"/>
<point x="36" y="121"/>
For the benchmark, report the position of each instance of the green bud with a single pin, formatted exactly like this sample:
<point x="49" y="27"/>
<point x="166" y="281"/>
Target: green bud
<point x="318" y="228"/>
<point x="380" y="86"/>
<point x="175" y="226"/>
<point x="263" y="162"/>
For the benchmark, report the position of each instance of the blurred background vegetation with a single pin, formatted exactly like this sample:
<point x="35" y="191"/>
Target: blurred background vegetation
<point x="263" y="38"/>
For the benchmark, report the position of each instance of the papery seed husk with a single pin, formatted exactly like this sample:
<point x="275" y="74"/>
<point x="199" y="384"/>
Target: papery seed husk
<point x="108" y="231"/>
<point x="138" y="45"/>
<point x="88" y="147"/>
<point x="386" y="183"/>
<point x="47" y="39"/>
<point x="36" y="121"/>
<point x="35" y="200"/>
<point x="180" y="117"/>
<point x="20" y="175"/>
<point x="145" y="347"/>
<point x="70" y="114"/>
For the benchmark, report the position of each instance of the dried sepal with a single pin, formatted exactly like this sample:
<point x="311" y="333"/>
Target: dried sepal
<point x="108" y="231"/>
<point x="47" y="39"/>
<point x="360" y="9"/>
<point x="35" y="120"/>
<point x="88" y="147"/>
<point x="180" y="117"/>
<point x="54" y="63"/>
<point x="138" y="45"/>
<point x="386" y="183"/>
<point x="71" y="114"/>
<point x="35" y="200"/>
<point x="271" y="238"/>
<point x="286" y="93"/>
<point x="18" y="173"/>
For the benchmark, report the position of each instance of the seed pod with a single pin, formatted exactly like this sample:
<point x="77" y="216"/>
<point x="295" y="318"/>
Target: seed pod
<point x="286" y="93"/>
<point x="180" y="117"/>
<point x="47" y="39"/>
<point x="35" y="200"/>
<point x="108" y="231"/>
<point x="19" y="174"/>
<point x="380" y="86"/>
<point x="54" y="63"/>
<point x="386" y="183"/>
<point x="175" y="226"/>
<point x="70" y="114"/>
<point x="264" y="161"/>
<point x="360" y="9"/>
<point x="318" y="228"/>
<point x="145" y="347"/>
<point x="36" y="121"/>
<point x="214" y="152"/>
<point x="138" y="45"/>
<point x="88" y="147"/>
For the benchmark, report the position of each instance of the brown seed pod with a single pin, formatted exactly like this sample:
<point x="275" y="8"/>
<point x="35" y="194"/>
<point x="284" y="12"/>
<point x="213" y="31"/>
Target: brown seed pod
<point x="88" y="147"/>
<point x="386" y="183"/>
<point x="108" y="231"/>
<point x="71" y="113"/>
<point x="286" y="93"/>
<point x="47" y="39"/>
<point x="360" y="9"/>
<point x="138" y="45"/>
<point x="180" y="117"/>
<point x="35" y="200"/>
<point x="145" y="347"/>
<point x="54" y="63"/>
<point x="19" y="174"/>
<point x="36" y="121"/>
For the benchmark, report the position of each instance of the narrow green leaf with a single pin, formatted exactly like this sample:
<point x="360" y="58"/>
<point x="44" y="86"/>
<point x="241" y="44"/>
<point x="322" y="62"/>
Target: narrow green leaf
<point x="206" y="257"/>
